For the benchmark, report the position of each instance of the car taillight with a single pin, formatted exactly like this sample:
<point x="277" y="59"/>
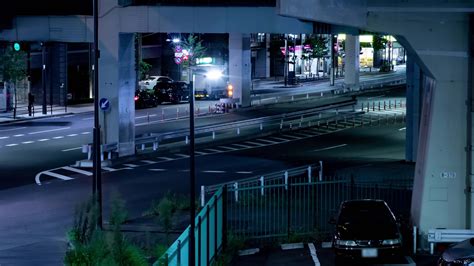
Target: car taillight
<point x="136" y="98"/>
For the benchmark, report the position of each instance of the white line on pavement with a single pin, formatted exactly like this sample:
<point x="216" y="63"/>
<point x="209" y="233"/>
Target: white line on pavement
<point x="182" y="155"/>
<point x="280" y="139"/>
<point x="267" y="141"/>
<point x="332" y="147"/>
<point x="72" y="149"/>
<point x="72" y="169"/>
<point x="312" y="250"/>
<point x="19" y="135"/>
<point x="88" y="118"/>
<point x="63" y="177"/>
<point x="213" y="150"/>
<point x="58" y="137"/>
<point x="72" y="135"/>
<point x="157" y="170"/>
<point x="165" y="158"/>
<point x="148" y="161"/>
<point x="403" y="128"/>
<point x="27" y="142"/>
<point x="200" y="153"/>
<point x="43" y="140"/>
<point x="242" y="146"/>
<point x="227" y="148"/>
<point x="11" y="129"/>
<point x="130" y="165"/>
<point x="49" y="130"/>
<point x="11" y="145"/>
<point x="85" y="133"/>
<point x="254" y="143"/>
<point x="213" y="171"/>
<point x="244" y="172"/>
<point x="4" y="137"/>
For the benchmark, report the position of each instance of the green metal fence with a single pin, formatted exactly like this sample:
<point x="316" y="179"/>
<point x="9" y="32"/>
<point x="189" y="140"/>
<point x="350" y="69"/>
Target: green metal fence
<point x="210" y="235"/>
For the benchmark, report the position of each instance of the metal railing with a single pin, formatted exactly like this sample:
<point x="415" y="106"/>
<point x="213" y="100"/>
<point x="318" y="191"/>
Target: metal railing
<point x="210" y="235"/>
<point x="278" y="120"/>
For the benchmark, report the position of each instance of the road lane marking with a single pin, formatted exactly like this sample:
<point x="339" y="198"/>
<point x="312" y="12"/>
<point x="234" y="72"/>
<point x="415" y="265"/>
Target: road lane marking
<point x="312" y="251"/>
<point x="85" y="133"/>
<point x="72" y="149"/>
<point x="181" y="155"/>
<point x="303" y="135"/>
<point x="72" y="169"/>
<point x="27" y="142"/>
<point x="148" y="161"/>
<point x="290" y="136"/>
<point x="157" y="170"/>
<point x="227" y="148"/>
<point x="242" y="146"/>
<point x="58" y="137"/>
<point x="213" y="172"/>
<point x="213" y="150"/>
<point x="88" y="118"/>
<point x="244" y="172"/>
<point x="11" y="145"/>
<point x="403" y="128"/>
<point x="130" y="165"/>
<point x="280" y="139"/>
<point x="254" y="143"/>
<point x="62" y="177"/>
<point x="4" y="137"/>
<point x="72" y="135"/>
<point x="330" y="148"/>
<point x="165" y="158"/>
<point x="19" y="135"/>
<point x="43" y="140"/>
<point x="11" y="129"/>
<point x="267" y="141"/>
<point x="49" y="130"/>
<point x="68" y="116"/>
<point x="200" y="153"/>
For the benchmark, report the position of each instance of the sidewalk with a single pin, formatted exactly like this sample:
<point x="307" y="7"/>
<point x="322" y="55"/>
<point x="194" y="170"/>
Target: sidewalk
<point x="22" y="112"/>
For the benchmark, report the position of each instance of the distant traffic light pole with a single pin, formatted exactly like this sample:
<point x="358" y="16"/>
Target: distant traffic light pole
<point x="96" y="163"/>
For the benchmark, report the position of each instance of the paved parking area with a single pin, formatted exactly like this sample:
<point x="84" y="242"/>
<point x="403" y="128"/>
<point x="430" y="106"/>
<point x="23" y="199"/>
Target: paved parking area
<point x="324" y="257"/>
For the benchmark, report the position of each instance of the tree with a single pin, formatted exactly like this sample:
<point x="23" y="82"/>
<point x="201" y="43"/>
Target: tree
<point x="192" y="49"/>
<point x="318" y="49"/>
<point x="378" y="43"/>
<point x="14" y="69"/>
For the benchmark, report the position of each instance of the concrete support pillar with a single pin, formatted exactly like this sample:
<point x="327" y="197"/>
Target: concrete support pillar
<point x="117" y="79"/>
<point x="413" y="108"/>
<point x="351" y="72"/>
<point x="262" y="60"/>
<point x="240" y="67"/>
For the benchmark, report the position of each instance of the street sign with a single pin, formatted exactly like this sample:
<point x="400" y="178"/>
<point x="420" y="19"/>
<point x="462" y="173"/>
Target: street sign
<point x="178" y="60"/>
<point x="104" y="104"/>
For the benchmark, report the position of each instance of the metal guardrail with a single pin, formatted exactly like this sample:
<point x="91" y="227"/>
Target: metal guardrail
<point x="154" y="139"/>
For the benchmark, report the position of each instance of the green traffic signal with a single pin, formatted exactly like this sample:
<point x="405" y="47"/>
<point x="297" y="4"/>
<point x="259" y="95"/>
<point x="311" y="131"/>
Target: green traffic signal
<point x="16" y="46"/>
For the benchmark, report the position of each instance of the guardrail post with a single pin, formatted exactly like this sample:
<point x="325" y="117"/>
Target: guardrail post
<point x="292" y="98"/>
<point x="236" y="191"/>
<point x="143" y="146"/>
<point x="203" y="196"/>
<point x="362" y="106"/>
<point x="281" y="124"/>
<point x="238" y="131"/>
<point x="415" y="234"/>
<point x="368" y="106"/>
<point x="395" y="104"/>
<point x="109" y="155"/>
<point x="384" y="105"/>
<point x="89" y="152"/>
<point x="261" y="126"/>
<point x="101" y="152"/>
<point x="320" y="170"/>
<point x="155" y="145"/>
<point x="286" y="180"/>
<point x="262" y="185"/>
<point x="177" y="113"/>
<point x="389" y="104"/>
<point x="208" y="235"/>
<point x="186" y="139"/>
<point x="322" y="93"/>
<point x="289" y="211"/>
<point x="213" y="135"/>
<point x="199" y="240"/>
<point x="307" y="95"/>
<point x="379" y="105"/>
<point x="309" y="174"/>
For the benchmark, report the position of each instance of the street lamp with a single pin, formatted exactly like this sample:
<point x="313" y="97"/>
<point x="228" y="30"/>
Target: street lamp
<point x="176" y="40"/>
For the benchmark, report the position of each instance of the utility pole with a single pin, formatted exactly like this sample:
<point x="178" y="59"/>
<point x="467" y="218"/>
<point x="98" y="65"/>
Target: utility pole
<point x="43" y="75"/>
<point x="96" y="163"/>
<point x="192" y="175"/>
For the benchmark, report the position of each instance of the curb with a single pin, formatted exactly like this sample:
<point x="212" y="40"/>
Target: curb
<point x="21" y="120"/>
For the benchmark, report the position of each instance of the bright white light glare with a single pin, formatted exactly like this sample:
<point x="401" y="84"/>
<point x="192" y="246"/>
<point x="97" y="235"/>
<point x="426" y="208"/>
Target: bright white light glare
<point x="214" y="74"/>
<point x="176" y="40"/>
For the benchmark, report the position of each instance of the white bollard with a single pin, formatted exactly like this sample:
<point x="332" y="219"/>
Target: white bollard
<point x="292" y="98"/>
<point x="238" y="131"/>
<point x="213" y="135"/>
<point x="415" y="234"/>
<point x="262" y="186"/>
<point x="162" y="114"/>
<point x="320" y="170"/>
<point x="309" y="174"/>
<point x="261" y="126"/>
<point x="186" y="139"/>
<point x="236" y="192"/>
<point x="143" y="147"/>
<point x="286" y="180"/>
<point x="177" y="113"/>
<point x="203" y="196"/>
<point x="307" y="95"/>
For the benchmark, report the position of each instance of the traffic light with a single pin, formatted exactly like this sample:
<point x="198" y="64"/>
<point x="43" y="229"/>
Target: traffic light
<point x="16" y="46"/>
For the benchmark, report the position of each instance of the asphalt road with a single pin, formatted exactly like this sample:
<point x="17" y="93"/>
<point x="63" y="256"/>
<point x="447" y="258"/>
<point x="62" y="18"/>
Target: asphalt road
<point x="35" y="219"/>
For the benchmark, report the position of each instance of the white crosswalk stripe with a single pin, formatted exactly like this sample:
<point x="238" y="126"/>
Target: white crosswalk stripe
<point x="72" y="169"/>
<point x="267" y="141"/>
<point x="200" y="153"/>
<point x="227" y="148"/>
<point x="241" y="145"/>
<point x="280" y="139"/>
<point x="254" y="143"/>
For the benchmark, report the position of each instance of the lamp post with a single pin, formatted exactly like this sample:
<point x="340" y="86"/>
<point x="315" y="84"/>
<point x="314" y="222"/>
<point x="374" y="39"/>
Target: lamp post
<point x="192" y="175"/>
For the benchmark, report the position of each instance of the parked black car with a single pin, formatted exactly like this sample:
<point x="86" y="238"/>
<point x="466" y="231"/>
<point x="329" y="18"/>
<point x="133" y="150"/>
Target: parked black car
<point x="459" y="254"/>
<point x="182" y="90"/>
<point x="365" y="229"/>
<point x="166" y="92"/>
<point x="145" y="98"/>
